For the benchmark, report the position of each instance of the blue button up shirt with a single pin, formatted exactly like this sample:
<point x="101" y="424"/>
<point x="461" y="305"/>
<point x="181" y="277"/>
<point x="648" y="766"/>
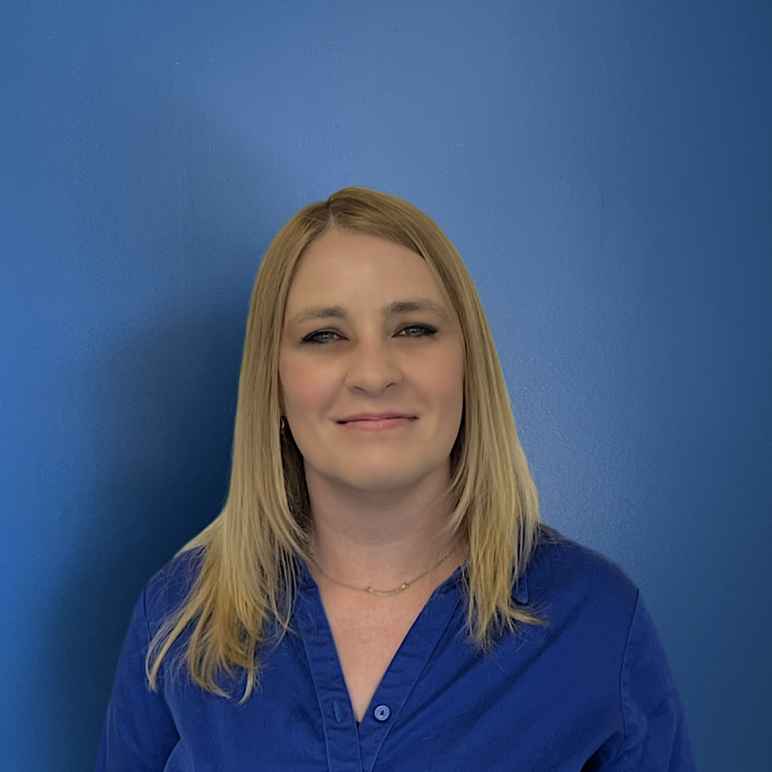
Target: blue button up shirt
<point x="592" y="690"/>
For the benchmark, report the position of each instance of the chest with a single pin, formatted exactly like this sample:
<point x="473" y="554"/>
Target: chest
<point x="367" y="637"/>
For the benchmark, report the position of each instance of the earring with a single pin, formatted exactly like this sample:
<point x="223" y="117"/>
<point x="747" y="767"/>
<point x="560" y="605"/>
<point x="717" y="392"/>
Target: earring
<point x="283" y="425"/>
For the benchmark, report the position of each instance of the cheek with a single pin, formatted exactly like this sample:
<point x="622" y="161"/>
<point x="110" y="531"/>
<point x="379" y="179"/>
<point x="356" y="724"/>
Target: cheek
<point x="298" y="388"/>
<point x="445" y="378"/>
<point x="450" y="391"/>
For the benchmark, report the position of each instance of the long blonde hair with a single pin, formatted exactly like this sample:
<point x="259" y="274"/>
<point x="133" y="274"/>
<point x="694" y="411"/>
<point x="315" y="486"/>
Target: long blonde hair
<point x="248" y="569"/>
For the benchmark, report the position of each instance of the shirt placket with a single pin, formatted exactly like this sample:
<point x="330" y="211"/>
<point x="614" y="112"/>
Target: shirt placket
<point x="338" y="723"/>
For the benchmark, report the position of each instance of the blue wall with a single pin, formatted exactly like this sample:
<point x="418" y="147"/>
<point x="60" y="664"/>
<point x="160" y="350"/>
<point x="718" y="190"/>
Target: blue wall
<point x="604" y="169"/>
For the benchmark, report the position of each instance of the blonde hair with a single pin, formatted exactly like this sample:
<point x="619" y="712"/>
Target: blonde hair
<point x="248" y="571"/>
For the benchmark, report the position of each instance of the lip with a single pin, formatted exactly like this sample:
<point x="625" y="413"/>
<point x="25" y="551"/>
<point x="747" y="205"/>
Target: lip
<point x="374" y="416"/>
<point x="377" y="424"/>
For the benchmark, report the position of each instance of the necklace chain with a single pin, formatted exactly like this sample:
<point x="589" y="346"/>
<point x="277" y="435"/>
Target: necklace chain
<point x="402" y="587"/>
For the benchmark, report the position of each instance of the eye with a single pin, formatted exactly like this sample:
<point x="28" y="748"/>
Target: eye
<point x="425" y="329"/>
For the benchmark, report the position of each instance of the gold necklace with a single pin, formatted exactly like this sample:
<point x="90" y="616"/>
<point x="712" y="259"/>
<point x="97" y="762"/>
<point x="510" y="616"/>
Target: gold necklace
<point x="396" y="590"/>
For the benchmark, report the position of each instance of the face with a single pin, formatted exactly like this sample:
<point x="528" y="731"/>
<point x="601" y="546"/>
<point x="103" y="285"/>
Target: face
<point x="364" y="360"/>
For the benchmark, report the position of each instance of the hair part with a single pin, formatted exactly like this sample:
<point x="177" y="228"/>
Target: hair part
<point x="248" y="571"/>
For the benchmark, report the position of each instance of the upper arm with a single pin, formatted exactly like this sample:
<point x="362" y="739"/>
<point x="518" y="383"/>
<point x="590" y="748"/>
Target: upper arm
<point x="656" y="734"/>
<point x="138" y="732"/>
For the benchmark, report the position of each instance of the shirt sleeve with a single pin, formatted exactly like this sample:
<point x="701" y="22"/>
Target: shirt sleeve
<point x="138" y="732"/>
<point x="656" y="736"/>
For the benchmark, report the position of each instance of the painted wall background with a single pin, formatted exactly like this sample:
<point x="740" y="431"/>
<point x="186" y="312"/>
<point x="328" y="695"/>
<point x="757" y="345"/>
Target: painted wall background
<point x="603" y="168"/>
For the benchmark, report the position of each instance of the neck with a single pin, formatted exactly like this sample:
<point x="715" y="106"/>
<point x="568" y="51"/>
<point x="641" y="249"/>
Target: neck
<point x="382" y="538"/>
<point x="439" y="567"/>
<point x="355" y="559"/>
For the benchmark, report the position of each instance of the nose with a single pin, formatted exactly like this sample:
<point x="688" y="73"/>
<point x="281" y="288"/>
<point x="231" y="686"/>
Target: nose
<point x="373" y="366"/>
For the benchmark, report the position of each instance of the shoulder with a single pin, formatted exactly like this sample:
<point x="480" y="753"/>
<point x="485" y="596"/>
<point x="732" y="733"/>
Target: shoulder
<point x="566" y="574"/>
<point x="601" y="630"/>
<point x="170" y="585"/>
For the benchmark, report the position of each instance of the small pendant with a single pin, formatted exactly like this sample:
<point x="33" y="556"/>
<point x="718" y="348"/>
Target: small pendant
<point x="402" y="587"/>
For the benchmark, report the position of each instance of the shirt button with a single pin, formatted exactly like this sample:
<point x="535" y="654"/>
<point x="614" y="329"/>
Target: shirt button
<point x="382" y="712"/>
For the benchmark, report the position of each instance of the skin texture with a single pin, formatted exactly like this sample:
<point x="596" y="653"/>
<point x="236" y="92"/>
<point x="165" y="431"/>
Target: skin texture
<point x="375" y="496"/>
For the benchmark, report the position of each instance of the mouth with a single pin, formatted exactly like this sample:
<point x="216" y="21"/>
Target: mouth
<point x="377" y="424"/>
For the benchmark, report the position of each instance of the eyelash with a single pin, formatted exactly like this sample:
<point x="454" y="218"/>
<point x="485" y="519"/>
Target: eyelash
<point x="429" y="331"/>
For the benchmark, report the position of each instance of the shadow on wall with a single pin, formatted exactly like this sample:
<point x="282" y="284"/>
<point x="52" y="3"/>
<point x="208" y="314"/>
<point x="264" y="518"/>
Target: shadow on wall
<point x="158" y="402"/>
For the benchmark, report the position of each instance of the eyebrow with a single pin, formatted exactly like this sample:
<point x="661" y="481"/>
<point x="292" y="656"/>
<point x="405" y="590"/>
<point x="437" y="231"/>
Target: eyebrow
<point x="390" y="309"/>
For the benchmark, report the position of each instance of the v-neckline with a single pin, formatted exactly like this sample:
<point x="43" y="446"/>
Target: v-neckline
<point x="400" y="674"/>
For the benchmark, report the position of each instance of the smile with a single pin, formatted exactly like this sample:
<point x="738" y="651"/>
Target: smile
<point x="380" y="424"/>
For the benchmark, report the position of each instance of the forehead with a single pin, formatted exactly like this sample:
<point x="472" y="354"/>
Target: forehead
<point x="350" y="268"/>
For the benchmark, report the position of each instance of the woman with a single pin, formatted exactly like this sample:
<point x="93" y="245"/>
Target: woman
<point x="378" y="591"/>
